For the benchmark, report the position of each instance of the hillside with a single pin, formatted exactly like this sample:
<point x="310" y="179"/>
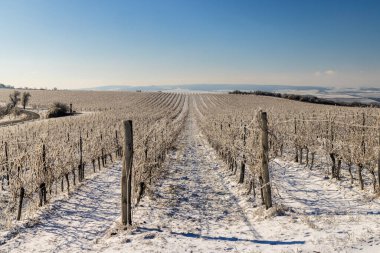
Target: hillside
<point x="198" y="167"/>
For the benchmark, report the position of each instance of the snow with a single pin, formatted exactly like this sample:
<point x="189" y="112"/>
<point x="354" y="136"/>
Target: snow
<point x="309" y="191"/>
<point x="12" y="117"/>
<point x="198" y="206"/>
<point x="75" y="223"/>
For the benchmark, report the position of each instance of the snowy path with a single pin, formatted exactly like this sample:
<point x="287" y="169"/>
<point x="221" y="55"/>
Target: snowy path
<point x="74" y="224"/>
<point x="192" y="208"/>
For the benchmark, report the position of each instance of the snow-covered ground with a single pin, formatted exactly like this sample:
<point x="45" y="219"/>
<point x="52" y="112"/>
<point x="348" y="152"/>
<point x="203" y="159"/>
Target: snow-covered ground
<point x="198" y="206"/>
<point x="191" y="209"/>
<point x="71" y="224"/>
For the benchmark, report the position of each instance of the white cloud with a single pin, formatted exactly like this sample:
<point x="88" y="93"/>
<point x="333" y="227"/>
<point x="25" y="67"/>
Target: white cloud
<point x="329" y="72"/>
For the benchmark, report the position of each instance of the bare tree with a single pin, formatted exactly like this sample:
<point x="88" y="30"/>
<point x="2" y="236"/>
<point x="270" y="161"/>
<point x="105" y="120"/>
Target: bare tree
<point x="14" y="98"/>
<point x="25" y="99"/>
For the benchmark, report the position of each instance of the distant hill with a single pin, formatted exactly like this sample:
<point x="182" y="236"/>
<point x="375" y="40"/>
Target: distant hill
<point x="3" y="86"/>
<point x="366" y="95"/>
<point x="208" y="87"/>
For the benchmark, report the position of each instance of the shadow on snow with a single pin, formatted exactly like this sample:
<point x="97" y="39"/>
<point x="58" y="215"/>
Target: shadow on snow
<point x="234" y="239"/>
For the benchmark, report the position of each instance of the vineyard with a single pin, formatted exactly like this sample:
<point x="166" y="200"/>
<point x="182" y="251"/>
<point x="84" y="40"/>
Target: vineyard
<point x="255" y="144"/>
<point x="340" y="139"/>
<point x="43" y="158"/>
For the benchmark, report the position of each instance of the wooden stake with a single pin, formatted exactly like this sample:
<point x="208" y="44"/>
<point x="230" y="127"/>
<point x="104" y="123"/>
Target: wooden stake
<point x="21" y="198"/>
<point x="265" y="161"/>
<point x="126" y="175"/>
<point x="81" y="167"/>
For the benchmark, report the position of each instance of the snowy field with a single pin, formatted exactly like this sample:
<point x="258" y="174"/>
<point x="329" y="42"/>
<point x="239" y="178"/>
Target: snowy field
<point x="73" y="223"/>
<point x="198" y="206"/>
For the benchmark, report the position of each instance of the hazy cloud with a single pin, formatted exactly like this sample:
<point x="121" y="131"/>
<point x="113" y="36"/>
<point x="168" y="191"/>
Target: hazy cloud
<point x="328" y="72"/>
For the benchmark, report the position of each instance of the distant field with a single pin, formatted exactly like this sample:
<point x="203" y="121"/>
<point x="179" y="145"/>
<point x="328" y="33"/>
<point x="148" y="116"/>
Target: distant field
<point x="350" y="96"/>
<point x="81" y="100"/>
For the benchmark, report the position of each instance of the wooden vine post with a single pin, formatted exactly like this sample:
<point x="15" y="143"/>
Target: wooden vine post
<point x="126" y="174"/>
<point x="363" y="149"/>
<point x="265" y="161"/>
<point x="21" y="199"/>
<point x="117" y="144"/>
<point x="242" y="171"/>
<point x="242" y="165"/>
<point x="81" y="166"/>
<point x="42" y="192"/>
<point x="378" y="159"/>
<point x="6" y="162"/>
<point x="295" y="144"/>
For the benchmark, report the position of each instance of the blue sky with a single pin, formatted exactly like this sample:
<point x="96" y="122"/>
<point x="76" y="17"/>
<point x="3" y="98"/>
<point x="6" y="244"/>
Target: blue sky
<point x="87" y="43"/>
